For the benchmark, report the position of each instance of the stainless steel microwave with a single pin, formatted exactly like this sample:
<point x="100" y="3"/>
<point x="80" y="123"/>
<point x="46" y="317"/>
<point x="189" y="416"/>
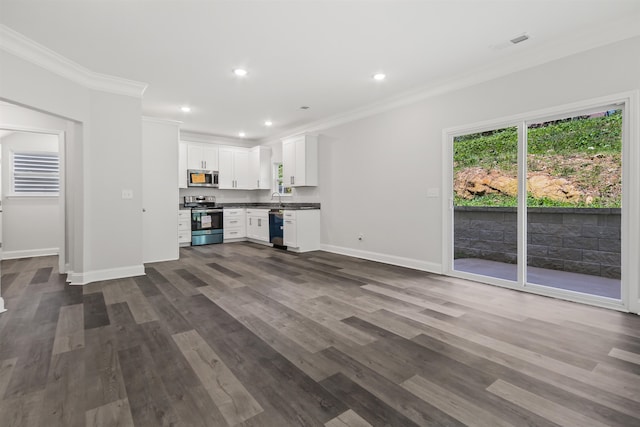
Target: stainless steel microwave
<point x="202" y="178"/>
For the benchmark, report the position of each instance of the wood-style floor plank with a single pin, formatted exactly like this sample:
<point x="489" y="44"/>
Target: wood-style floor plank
<point x="70" y="329"/>
<point x="116" y="413"/>
<point x="348" y="419"/>
<point x="541" y="406"/>
<point x="248" y="336"/>
<point x="233" y="400"/>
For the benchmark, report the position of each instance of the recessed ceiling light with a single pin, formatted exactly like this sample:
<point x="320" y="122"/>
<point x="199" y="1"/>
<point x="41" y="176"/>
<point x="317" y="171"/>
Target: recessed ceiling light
<point x="241" y="134"/>
<point x="185" y="109"/>
<point x="379" y="77"/>
<point x="268" y="123"/>
<point x="240" y="72"/>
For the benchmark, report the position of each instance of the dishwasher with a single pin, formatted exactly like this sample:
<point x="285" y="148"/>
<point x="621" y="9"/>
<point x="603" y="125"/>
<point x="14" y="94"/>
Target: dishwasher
<point x="276" y="228"/>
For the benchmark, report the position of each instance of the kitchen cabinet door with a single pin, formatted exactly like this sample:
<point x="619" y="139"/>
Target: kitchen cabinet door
<point x="302" y="230"/>
<point x="202" y="156"/>
<point x="288" y="161"/>
<point x="226" y="179"/>
<point x="300" y="161"/>
<point x="260" y="168"/>
<point x="210" y="157"/>
<point x="241" y="169"/>
<point x="233" y="168"/>
<point x="263" y="229"/>
<point x="194" y="156"/>
<point x="290" y="233"/>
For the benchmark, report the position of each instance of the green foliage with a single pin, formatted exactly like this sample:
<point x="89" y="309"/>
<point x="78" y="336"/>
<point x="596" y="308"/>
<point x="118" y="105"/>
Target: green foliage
<point x="499" y="200"/>
<point x="583" y="135"/>
<point x="491" y="150"/>
<point x="487" y="200"/>
<point x="562" y="148"/>
<point x="499" y="149"/>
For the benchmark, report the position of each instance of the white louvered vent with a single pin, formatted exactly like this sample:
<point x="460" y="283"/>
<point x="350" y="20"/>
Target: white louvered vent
<point x="36" y="173"/>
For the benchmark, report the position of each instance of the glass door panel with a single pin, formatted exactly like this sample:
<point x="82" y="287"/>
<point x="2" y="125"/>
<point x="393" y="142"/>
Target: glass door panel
<point x="574" y="196"/>
<point x="485" y="198"/>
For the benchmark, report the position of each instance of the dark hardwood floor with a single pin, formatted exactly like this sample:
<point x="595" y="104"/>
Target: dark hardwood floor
<point x="243" y="335"/>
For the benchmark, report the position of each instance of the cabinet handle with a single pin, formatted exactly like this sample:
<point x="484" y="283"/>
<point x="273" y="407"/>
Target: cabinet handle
<point x="293" y="180"/>
<point x="249" y="221"/>
<point x="259" y="222"/>
<point x="234" y="232"/>
<point x="258" y="183"/>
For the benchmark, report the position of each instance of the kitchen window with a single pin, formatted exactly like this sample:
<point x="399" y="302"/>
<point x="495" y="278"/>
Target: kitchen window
<point x="35" y="174"/>
<point x="279" y="181"/>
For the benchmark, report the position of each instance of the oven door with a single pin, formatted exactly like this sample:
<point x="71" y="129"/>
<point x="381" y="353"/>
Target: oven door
<point x="206" y="226"/>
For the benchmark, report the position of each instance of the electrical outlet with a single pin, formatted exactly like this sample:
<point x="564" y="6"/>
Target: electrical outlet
<point x="360" y="236"/>
<point x="127" y="194"/>
<point x="433" y="192"/>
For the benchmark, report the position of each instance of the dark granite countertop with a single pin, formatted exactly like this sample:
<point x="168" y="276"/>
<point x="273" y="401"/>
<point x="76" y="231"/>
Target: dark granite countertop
<point x="284" y="205"/>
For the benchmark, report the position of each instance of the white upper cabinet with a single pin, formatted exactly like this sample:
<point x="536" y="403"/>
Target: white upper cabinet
<point x="260" y="168"/>
<point x="233" y="168"/>
<point x="300" y="161"/>
<point x="202" y="156"/>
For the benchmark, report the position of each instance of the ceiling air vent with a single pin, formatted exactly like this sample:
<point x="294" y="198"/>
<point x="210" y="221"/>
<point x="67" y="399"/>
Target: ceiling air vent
<point x="519" y="39"/>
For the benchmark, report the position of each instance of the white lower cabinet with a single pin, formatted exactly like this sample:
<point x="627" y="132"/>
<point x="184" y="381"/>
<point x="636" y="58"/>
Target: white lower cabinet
<point x="258" y="224"/>
<point x="302" y="230"/>
<point x="184" y="227"/>
<point x="235" y="224"/>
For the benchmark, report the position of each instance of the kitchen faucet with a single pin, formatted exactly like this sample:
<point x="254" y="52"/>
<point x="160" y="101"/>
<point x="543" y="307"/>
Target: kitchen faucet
<point x="275" y="193"/>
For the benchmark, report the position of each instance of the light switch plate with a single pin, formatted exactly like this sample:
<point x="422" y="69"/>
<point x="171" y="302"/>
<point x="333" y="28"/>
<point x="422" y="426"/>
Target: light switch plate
<point x="127" y="194"/>
<point x="433" y="192"/>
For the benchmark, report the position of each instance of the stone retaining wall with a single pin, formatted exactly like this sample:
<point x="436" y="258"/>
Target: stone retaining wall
<point x="580" y="240"/>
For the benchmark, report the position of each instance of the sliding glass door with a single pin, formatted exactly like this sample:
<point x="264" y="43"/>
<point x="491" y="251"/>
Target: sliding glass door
<point x="539" y="204"/>
<point x="485" y="199"/>
<point x="574" y="196"/>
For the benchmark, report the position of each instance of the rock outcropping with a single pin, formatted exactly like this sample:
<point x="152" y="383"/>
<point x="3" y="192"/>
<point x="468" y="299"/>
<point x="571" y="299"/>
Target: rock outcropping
<point x="473" y="182"/>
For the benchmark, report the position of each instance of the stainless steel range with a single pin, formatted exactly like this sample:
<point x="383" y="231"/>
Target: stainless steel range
<point x="206" y="220"/>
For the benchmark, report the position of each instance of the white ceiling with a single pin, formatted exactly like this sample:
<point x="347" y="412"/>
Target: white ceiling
<point x="316" y="53"/>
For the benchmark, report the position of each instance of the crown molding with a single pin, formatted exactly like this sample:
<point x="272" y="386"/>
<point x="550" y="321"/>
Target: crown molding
<point x="161" y="120"/>
<point x="194" y="136"/>
<point x="17" y="44"/>
<point x="594" y="37"/>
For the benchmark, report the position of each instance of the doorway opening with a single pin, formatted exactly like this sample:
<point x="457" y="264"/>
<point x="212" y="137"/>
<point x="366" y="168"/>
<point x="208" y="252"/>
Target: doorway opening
<point x="33" y="185"/>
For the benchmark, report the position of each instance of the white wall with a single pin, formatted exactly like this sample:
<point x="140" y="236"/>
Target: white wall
<point x="160" y="189"/>
<point x="374" y="172"/>
<point x="31" y="225"/>
<point x="104" y="158"/>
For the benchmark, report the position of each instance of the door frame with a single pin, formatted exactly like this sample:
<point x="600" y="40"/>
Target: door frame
<point x="630" y="283"/>
<point x="62" y="198"/>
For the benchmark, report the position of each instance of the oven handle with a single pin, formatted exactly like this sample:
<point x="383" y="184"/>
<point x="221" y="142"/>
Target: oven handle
<point x="206" y="210"/>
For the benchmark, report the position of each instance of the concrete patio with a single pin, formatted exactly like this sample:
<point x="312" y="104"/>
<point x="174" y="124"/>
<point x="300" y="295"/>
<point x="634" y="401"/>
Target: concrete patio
<point x="584" y="283"/>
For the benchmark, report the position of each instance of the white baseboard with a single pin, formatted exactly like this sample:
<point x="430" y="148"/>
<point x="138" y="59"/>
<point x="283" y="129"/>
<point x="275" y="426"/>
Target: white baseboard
<point x="415" y="264"/>
<point x="108" y="274"/>
<point x="29" y="253"/>
<point x="2" y="309"/>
